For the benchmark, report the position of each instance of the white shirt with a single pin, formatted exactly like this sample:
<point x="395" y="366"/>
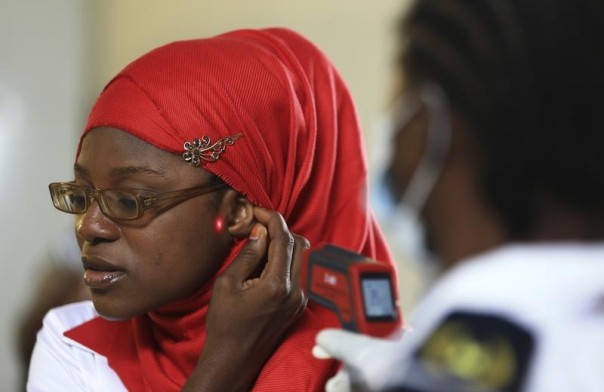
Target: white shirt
<point x="553" y="292"/>
<point x="61" y="364"/>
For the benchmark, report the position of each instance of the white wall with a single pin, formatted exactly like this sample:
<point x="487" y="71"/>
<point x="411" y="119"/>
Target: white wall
<point x="42" y="71"/>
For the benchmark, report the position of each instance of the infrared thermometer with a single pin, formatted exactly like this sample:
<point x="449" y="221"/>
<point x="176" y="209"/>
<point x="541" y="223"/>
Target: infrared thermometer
<point x="359" y="290"/>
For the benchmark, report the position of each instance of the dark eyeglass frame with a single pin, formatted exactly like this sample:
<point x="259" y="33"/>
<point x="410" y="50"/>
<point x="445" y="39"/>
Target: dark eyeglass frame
<point x="145" y="199"/>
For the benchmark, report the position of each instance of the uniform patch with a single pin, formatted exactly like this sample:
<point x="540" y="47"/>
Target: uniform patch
<point x="472" y="352"/>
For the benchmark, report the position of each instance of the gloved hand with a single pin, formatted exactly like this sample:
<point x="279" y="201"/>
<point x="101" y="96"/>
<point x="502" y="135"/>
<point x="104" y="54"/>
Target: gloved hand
<point x="370" y="364"/>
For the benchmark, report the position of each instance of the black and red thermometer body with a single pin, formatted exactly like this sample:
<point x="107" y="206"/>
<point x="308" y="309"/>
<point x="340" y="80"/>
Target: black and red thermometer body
<point x="359" y="290"/>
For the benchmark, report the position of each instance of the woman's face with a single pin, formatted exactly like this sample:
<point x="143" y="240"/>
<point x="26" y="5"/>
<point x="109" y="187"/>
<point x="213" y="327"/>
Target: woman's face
<point x="133" y="267"/>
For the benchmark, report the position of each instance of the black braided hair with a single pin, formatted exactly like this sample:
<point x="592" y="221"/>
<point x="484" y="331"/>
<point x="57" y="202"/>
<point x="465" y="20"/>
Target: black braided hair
<point x="528" y="75"/>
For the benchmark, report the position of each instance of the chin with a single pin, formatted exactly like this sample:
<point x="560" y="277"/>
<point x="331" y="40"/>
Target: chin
<point x="112" y="311"/>
<point x="110" y="318"/>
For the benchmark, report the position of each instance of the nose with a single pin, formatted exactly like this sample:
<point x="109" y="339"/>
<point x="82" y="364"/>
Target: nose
<point x="94" y="227"/>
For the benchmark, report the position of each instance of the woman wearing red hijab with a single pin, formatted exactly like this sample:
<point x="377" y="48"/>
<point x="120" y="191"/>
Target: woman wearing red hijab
<point x="197" y="161"/>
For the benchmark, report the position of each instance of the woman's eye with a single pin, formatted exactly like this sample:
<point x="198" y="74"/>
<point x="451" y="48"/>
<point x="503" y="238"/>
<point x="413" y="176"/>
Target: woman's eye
<point x="119" y="201"/>
<point x="127" y="203"/>
<point x="78" y="201"/>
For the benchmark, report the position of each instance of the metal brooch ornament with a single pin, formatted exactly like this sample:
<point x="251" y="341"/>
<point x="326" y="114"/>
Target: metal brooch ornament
<point x="198" y="149"/>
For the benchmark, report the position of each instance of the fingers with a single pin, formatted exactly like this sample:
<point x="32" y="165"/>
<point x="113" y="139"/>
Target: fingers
<point x="281" y="246"/>
<point x="362" y="355"/>
<point x="343" y="345"/>
<point x="339" y="383"/>
<point x="320" y="353"/>
<point x="301" y="245"/>
<point x="252" y="254"/>
<point x="271" y="235"/>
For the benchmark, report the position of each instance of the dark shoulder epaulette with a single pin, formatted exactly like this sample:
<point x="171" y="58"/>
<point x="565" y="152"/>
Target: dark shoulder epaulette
<point x="471" y="352"/>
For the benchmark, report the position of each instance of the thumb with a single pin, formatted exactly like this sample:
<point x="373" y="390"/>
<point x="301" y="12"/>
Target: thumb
<point x="343" y="345"/>
<point x="250" y="256"/>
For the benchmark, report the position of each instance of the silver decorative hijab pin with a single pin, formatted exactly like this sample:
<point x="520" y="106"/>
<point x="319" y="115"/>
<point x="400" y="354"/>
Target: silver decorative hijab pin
<point x="197" y="150"/>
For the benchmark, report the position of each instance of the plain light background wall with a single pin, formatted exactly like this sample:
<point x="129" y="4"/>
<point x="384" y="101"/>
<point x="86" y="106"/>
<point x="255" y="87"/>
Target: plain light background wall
<point x="55" y="56"/>
<point x="43" y="76"/>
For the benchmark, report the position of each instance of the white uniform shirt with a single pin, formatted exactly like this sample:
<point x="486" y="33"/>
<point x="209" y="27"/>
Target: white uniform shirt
<point x="61" y="364"/>
<point x="554" y="292"/>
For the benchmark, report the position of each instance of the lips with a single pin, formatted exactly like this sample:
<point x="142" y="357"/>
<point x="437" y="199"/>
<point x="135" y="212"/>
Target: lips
<point x="99" y="273"/>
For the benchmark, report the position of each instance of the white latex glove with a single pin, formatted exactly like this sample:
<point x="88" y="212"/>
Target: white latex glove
<point x="370" y="364"/>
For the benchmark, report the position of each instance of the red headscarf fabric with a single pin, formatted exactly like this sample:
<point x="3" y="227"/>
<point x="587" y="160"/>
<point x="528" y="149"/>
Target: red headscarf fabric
<point x="301" y="154"/>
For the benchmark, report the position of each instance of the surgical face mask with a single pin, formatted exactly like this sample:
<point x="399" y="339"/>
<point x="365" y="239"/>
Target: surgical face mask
<point x="402" y="218"/>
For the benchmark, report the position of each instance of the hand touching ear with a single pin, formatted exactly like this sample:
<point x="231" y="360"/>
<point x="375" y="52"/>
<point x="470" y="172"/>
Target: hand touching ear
<point x="248" y="316"/>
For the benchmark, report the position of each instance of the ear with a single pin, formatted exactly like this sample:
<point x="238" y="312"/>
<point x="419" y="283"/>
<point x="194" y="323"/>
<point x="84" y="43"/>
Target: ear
<point x="240" y="214"/>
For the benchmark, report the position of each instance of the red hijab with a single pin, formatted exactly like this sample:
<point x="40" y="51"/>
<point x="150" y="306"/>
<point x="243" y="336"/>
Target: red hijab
<point x="300" y="154"/>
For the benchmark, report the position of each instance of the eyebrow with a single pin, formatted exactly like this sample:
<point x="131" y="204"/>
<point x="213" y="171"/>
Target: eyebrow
<point x="123" y="171"/>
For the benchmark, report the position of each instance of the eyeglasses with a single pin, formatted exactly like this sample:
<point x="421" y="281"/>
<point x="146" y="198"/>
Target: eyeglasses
<point x="119" y="204"/>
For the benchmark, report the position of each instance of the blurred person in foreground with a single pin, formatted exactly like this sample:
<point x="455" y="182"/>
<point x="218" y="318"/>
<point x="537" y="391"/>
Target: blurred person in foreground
<point x="500" y="152"/>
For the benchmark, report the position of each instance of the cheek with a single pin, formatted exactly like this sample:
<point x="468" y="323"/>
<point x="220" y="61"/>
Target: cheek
<point x="188" y="250"/>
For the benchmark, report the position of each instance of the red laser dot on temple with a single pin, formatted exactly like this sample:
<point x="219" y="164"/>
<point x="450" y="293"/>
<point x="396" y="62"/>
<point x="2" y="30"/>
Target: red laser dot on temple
<point x="219" y="224"/>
